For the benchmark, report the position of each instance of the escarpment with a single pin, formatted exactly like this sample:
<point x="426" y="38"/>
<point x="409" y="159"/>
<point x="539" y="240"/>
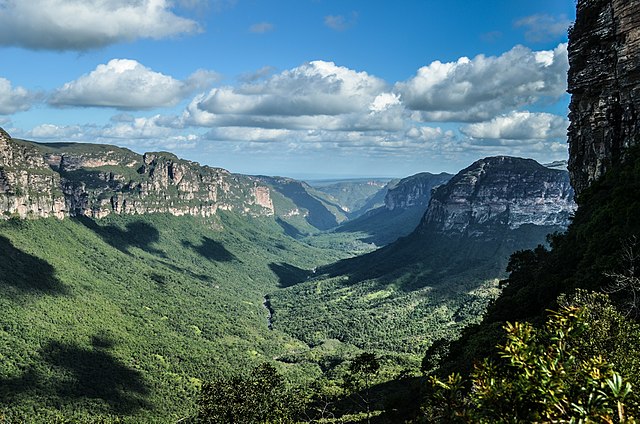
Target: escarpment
<point x="500" y="193"/>
<point x="69" y="179"/>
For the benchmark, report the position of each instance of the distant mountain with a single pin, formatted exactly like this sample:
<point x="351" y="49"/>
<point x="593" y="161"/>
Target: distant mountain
<point x="439" y="278"/>
<point x="302" y="209"/>
<point x="404" y="204"/>
<point x="356" y="196"/>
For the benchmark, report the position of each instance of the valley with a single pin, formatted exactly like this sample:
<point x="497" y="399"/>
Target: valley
<point x="125" y="288"/>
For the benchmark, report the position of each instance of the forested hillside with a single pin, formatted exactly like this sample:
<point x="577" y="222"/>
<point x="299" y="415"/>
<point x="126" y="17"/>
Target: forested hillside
<point x="126" y="316"/>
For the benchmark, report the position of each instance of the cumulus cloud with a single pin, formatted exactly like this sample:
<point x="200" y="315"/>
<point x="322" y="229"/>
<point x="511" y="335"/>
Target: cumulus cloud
<point x="87" y="24"/>
<point x="315" y="95"/>
<point x="542" y="27"/>
<point x="519" y="126"/>
<point x="480" y="88"/>
<point x="14" y="99"/>
<point x="261" y="28"/>
<point x="127" y="84"/>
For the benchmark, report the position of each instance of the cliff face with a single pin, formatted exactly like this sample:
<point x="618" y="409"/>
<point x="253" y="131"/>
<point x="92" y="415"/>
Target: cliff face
<point x="42" y="180"/>
<point x="414" y="191"/>
<point x="500" y="193"/>
<point x="604" y="81"/>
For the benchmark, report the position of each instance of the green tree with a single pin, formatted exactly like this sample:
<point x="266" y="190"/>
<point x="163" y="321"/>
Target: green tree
<point x="261" y="397"/>
<point x="360" y="380"/>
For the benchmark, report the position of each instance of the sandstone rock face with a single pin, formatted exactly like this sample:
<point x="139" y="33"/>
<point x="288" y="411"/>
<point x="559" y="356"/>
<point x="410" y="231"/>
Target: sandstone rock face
<point x="604" y="82"/>
<point x="414" y="191"/>
<point x="500" y="192"/>
<point x="42" y="180"/>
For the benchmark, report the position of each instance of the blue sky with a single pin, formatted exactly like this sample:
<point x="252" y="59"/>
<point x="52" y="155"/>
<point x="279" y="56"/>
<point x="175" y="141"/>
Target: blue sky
<point x="303" y="88"/>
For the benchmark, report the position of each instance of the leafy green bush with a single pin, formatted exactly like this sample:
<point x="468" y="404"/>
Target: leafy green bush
<point x="553" y="374"/>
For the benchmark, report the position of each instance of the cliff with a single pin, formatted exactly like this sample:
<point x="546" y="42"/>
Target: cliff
<point x="414" y="191"/>
<point x="604" y="82"/>
<point x="500" y="192"/>
<point x="68" y="179"/>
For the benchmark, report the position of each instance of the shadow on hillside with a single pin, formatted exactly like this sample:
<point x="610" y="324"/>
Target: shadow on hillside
<point x="26" y="274"/>
<point x="398" y="399"/>
<point x="76" y="374"/>
<point x="288" y="275"/>
<point x="136" y="234"/>
<point x="289" y="229"/>
<point x="211" y="250"/>
<point x="318" y="215"/>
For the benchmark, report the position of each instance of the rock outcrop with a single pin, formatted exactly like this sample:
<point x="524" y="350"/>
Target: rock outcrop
<point x="499" y="193"/>
<point x="68" y="179"/>
<point x="604" y="81"/>
<point x="414" y="191"/>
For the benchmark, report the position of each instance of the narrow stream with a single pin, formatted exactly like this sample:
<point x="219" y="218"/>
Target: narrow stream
<point x="267" y="305"/>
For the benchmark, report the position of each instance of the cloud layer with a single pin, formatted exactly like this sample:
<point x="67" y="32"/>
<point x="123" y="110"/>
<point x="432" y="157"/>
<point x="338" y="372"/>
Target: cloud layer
<point x="87" y="24"/>
<point x="519" y="126"/>
<point x="471" y="106"/>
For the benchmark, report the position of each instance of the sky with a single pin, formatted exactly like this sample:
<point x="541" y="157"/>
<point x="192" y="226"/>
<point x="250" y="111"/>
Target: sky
<point x="299" y="88"/>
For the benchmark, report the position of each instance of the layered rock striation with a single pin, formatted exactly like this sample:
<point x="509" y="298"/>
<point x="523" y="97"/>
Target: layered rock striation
<point x="414" y="191"/>
<point x="499" y="193"/>
<point x="68" y="179"/>
<point x="604" y="82"/>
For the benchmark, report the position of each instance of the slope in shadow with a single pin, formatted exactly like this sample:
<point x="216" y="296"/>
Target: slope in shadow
<point x="81" y="374"/>
<point x="288" y="275"/>
<point x="23" y="273"/>
<point x="289" y="229"/>
<point x="318" y="216"/>
<point x="136" y="234"/>
<point x="211" y="250"/>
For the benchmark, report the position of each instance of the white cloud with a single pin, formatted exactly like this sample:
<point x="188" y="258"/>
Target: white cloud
<point x="480" y="88"/>
<point x="384" y="101"/>
<point x="127" y="84"/>
<point x="57" y="132"/>
<point x="519" y="126"/>
<point x="86" y="24"/>
<point x="543" y="27"/>
<point x="261" y="28"/>
<point x="316" y="95"/>
<point x="14" y="99"/>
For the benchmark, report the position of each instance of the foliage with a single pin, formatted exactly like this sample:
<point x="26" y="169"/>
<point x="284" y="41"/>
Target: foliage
<point x="362" y="373"/>
<point x="544" y="376"/>
<point x="260" y="397"/>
